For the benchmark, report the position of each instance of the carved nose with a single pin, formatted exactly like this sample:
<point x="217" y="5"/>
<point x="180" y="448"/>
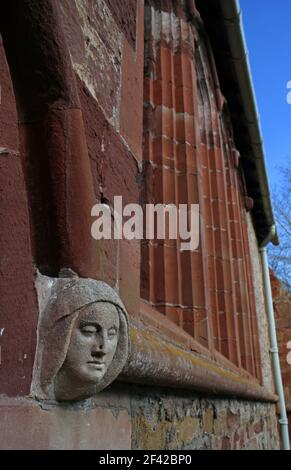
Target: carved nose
<point x="99" y="347"/>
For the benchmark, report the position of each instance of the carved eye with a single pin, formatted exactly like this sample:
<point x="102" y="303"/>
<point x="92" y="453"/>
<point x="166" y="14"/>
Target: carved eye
<point x="112" y="332"/>
<point x="88" y="330"/>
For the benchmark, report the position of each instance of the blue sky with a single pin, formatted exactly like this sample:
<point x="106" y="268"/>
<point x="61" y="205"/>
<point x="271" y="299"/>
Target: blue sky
<point x="267" y="26"/>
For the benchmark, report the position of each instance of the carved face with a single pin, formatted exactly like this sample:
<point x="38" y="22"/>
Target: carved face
<point x="93" y="343"/>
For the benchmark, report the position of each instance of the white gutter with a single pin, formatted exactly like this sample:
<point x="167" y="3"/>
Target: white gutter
<point x="273" y="339"/>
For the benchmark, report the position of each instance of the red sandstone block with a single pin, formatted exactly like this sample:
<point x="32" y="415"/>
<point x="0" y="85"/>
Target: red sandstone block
<point x="167" y="94"/>
<point x="157" y="274"/>
<point x="179" y="99"/>
<point x="177" y="64"/>
<point x="201" y="332"/>
<point x="156" y="149"/>
<point x="221" y="186"/>
<point x="216" y="159"/>
<point x="154" y="62"/>
<point x="174" y="314"/>
<point x="185" y="280"/>
<point x="193" y="190"/>
<point x="214" y="184"/>
<point x="207" y="211"/>
<point x="216" y="212"/>
<point x="188" y="101"/>
<point x="179" y="128"/>
<point x="28" y="427"/>
<point x="171" y="275"/>
<point x="154" y="185"/>
<point x="239" y="247"/>
<point x="202" y="134"/>
<point x="223" y="340"/>
<point x="144" y="270"/>
<point x="198" y="279"/>
<point x="208" y="238"/>
<point x="189" y="328"/>
<point x="190" y="134"/>
<point x="187" y="67"/>
<point x="217" y="240"/>
<point x="154" y="120"/>
<point x="169" y="196"/>
<point x="199" y="316"/>
<point x="157" y="96"/>
<point x="227" y="278"/>
<point x="168" y="118"/>
<point x="168" y="157"/>
<point x="191" y="156"/>
<point x="205" y="183"/>
<point x="166" y="63"/>
<point x="149" y="120"/>
<point x="224" y="219"/>
<point x="180" y="156"/>
<point x="132" y="90"/>
<point x="203" y="155"/>
<point x="217" y="142"/>
<point x="219" y="214"/>
<point x="182" y="188"/>
<point x="129" y="274"/>
<point x="188" y="315"/>
<point x="233" y="226"/>
<point x="220" y="299"/>
<point x="210" y="273"/>
<point x="18" y="303"/>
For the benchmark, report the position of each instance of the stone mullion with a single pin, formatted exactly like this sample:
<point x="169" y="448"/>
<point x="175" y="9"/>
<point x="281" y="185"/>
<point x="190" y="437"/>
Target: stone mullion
<point x="206" y="217"/>
<point x="230" y="295"/>
<point x="201" y="328"/>
<point x="238" y="256"/>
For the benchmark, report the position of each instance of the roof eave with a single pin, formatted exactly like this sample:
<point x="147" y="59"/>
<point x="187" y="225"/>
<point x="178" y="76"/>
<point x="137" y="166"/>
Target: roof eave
<point x="231" y="56"/>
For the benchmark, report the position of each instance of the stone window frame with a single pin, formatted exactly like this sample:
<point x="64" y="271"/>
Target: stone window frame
<point x="164" y="354"/>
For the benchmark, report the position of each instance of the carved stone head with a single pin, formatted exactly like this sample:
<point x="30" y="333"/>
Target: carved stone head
<point x="82" y="340"/>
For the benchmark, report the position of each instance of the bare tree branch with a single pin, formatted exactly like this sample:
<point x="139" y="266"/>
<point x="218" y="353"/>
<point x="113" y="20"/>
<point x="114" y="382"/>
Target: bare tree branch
<point x="280" y="257"/>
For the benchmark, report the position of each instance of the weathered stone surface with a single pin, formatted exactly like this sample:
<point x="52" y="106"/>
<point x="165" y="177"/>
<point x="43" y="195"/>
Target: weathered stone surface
<point x="63" y="428"/>
<point x="18" y="303"/>
<point x="124" y="14"/>
<point x="162" y="420"/>
<point x="132" y="89"/>
<point x="95" y="43"/>
<point x="38" y="57"/>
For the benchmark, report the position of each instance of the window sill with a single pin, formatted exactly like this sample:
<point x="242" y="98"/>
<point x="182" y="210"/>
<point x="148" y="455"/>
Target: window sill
<point x="163" y="355"/>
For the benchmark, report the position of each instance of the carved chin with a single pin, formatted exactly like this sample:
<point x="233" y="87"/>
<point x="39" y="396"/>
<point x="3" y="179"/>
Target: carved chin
<point x="94" y="372"/>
